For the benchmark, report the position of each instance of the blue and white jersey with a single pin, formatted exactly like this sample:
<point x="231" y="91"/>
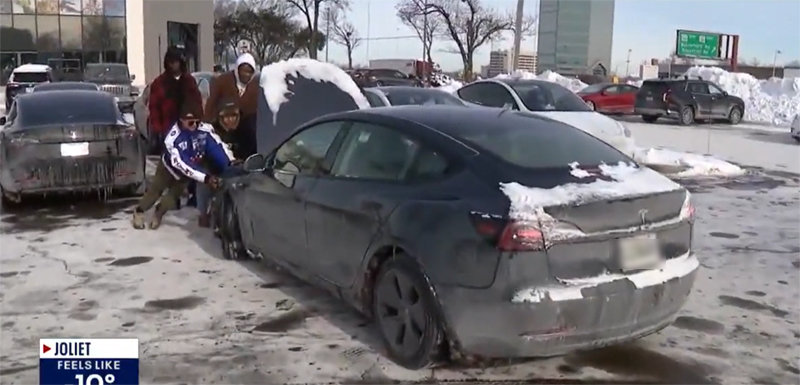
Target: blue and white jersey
<point x="185" y="151"/>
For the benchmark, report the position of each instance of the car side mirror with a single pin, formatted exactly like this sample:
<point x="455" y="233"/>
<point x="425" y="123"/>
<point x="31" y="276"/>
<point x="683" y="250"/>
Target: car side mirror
<point x="255" y="163"/>
<point x="2" y="120"/>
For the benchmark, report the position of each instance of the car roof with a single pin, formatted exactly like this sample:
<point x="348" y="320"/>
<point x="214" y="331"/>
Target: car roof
<point x="53" y="95"/>
<point x="452" y="120"/>
<point x="32" y="68"/>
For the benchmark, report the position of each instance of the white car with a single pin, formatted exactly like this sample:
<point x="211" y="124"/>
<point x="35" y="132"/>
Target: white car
<point x="24" y="78"/>
<point x="550" y="100"/>
<point x="796" y="128"/>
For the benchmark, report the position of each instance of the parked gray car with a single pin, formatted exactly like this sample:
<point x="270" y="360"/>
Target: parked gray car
<point x="115" y="79"/>
<point x="68" y="141"/>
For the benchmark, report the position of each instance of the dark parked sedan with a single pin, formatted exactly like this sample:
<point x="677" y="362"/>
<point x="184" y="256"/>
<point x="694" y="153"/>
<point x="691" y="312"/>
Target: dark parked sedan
<point x="63" y="141"/>
<point x="489" y="233"/>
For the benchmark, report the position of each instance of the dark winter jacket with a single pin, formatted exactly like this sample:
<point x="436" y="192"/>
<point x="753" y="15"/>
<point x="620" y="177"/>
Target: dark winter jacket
<point x="168" y="93"/>
<point x="242" y="140"/>
<point x="224" y="87"/>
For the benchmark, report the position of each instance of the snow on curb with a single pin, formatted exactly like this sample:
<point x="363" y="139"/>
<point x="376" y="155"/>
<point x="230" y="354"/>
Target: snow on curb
<point x="692" y="164"/>
<point x="775" y="101"/>
<point x="276" y="87"/>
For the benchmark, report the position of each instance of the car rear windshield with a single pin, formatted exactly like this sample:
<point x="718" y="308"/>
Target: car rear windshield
<point x="546" y="96"/>
<point x="110" y="73"/>
<point x="421" y="98"/>
<point x="67" y="110"/>
<point x="30" y="77"/>
<point x="549" y="145"/>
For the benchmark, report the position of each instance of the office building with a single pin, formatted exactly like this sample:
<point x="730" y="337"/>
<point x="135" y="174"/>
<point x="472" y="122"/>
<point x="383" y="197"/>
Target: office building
<point x="574" y="36"/>
<point x="67" y="34"/>
<point x="502" y="62"/>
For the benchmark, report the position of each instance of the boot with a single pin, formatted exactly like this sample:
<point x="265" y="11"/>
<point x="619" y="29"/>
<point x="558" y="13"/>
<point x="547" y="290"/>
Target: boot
<point x="138" y="219"/>
<point x="204" y="220"/>
<point x="158" y="214"/>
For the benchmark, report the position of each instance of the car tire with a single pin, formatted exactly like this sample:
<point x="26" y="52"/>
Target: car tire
<point x="398" y="316"/>
<point x="232" y="247"/>
<point x="650" y="118"/>
<point x="592" y="105"/>
<point x="686" y="116"/>
<point x="797" y="138"/>
<point x="735" y="115"/>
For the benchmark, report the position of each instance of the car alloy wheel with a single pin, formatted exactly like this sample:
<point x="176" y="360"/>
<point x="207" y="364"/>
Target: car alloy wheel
<point x="404" y="309"/>
<point x="231" y="237"/>
<point x="735" y="116"/>
<point x="687" y="116"/>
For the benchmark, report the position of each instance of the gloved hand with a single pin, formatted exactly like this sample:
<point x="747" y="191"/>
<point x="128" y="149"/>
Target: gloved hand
<point x="236" y="162"/>
<point x="213" y="181"/>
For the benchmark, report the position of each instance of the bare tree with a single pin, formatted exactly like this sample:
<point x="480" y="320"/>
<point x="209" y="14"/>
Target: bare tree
<point x="343" y="32"/>
<point x="310" y="10"/>
<point x="469" y="25"/>
<point x="418" y="15"/>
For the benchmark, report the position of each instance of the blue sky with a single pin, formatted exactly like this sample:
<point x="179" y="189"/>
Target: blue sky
<point x="647" y="27"/>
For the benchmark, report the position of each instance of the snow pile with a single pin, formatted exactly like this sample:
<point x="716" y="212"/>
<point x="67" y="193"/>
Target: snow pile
<point x="276" y="89"/>
<point x="774" y="101"/>
<point x="572" y="84"/>
<point x="528" y="203"/>
<point x="446" y="83"/>
<point x="694" y="164"/>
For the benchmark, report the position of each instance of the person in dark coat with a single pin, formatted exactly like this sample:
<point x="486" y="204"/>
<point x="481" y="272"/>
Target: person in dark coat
<point x="240" y="85"/>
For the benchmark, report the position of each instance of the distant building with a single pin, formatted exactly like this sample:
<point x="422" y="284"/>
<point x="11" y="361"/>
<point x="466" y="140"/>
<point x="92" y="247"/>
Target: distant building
<point x="502" y="62"/>
<point x="574" y="36"/>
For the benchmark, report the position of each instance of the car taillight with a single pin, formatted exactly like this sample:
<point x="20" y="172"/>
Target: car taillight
<point x="666" y="96"/>
<point x="687" y="210"/>
<point x="508" y="235"/>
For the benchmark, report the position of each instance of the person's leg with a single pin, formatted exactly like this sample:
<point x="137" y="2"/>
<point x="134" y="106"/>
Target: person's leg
<point x="168" y="201"/>
<point x="203" y="199"/>
<point x="159" y="183"/>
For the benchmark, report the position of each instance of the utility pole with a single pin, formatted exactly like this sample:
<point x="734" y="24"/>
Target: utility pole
<point x="425" y="59"/>
<point x="518" y="34"/>
<point x="775" y="61"/>
<point x="628" y="64"/>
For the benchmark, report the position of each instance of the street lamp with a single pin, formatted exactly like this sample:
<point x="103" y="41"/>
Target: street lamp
<point x="628" y="63"/>
<point x="775" y="61"/>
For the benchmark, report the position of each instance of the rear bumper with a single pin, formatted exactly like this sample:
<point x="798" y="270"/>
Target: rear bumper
<point x="580" y="314"/>
<point x="655" y="112"/>
<point x="72" y="175"/>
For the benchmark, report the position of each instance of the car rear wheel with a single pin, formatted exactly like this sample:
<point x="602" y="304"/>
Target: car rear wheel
<point x="232" y="246"/>
<point x="405" y="312"/>
<point x="687" y="116"/>
<point x="735" y="115"/>
<point x="650" y="118"/>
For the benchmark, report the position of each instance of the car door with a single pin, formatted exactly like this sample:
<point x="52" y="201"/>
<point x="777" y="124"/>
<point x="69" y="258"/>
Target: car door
<point x="275" y="201"/>
<point x="627" y="98"/>
<point x="488" y="94"/>
<point x="610" y="98"/>
<point x="368" y="179"/>
<point x="719" y="102"/>
<point x="701" y="97"/>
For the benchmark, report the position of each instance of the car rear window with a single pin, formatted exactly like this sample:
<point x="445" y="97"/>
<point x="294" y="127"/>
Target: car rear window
<point x="30" y="77"/>
<point x="548" y="145"/>
<point x="67" y="110"/>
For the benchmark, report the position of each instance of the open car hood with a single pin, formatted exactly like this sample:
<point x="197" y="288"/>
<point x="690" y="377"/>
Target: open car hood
<point x="296" y="91"/>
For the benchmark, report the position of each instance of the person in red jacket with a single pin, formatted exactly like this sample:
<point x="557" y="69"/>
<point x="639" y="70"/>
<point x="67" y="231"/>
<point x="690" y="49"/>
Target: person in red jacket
<point x="169" y="91"/>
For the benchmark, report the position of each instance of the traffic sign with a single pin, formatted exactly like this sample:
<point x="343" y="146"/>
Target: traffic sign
<point x="701" y="45"/>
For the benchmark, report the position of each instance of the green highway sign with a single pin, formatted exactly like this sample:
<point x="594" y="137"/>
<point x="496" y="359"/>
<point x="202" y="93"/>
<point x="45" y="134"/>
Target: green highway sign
<point x="700" y="45"/>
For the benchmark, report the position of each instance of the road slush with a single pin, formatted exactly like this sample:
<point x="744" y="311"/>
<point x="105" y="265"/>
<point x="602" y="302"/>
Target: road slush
<point x="84" y="361"/>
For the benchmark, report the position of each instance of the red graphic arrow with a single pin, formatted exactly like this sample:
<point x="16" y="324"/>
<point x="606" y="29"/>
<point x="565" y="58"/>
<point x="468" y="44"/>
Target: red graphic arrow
<point x="45" y="348"/>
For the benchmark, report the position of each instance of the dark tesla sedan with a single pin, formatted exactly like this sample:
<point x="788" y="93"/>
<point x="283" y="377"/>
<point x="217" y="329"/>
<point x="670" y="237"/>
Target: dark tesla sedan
<point x="64" y="141"/>
<point x="491" y="233"/>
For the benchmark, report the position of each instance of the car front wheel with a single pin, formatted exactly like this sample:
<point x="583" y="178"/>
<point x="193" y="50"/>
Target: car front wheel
<point x="735" y="115"/>
<point x="405" y="312"/>
<point x="232" y="246"/>
<point x="687" y="116"/>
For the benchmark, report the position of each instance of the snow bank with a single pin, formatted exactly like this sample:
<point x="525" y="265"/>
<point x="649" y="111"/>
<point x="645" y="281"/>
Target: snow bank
<point x="572" y="84"/>
<point x="528" y="203"/>
<point x="276" y="89"/>
<point x="775" y="101"/>
<point x="695" y="164"/>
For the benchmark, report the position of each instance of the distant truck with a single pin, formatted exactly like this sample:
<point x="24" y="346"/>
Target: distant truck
<point x="406" y="66"/>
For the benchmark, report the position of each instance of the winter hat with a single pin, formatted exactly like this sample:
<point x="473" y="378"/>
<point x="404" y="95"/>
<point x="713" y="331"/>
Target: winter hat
<point x="228" y="107"/>
<point x="175" y="53"/>
<point x="190" y="110"/>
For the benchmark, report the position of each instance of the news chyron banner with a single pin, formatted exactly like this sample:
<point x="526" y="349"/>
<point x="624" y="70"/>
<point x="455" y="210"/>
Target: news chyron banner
<point x="89" y="361"/>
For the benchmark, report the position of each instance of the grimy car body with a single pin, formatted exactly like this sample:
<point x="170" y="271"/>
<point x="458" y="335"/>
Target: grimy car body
<point x="410" y="214"/>
<point x="65" y="141"/>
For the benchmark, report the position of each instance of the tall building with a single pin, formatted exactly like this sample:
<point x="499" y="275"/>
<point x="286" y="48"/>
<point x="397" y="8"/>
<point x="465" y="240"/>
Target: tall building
<point x="575" y="36"/>
<point x="501" y="62"/>
<point x="67" y="34"/>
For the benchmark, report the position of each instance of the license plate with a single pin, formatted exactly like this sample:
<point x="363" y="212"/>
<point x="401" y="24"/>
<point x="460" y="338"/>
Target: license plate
<point x="640" y="252"/>
<point x="75" y="149"/>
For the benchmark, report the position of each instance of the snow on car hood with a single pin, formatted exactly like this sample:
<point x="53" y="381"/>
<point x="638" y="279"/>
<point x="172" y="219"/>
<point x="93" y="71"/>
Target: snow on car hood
<point x="627" y="179"/>
<point x="273" y="81"/>
<point x="598" y="125"/>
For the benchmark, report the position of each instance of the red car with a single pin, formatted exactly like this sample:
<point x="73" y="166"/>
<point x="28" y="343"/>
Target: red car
<point x="608" y="97"/>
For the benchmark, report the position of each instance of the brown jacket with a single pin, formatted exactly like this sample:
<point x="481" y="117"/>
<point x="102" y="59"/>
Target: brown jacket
<point x="224" y="87"/>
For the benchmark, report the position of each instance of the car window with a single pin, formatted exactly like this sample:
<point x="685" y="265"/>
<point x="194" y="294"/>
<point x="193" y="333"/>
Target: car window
<point x="421" y="97"/>
<point x="106" y="73"/>
<point x="387" y="74"/>
<point x="30" y="77"/>
<point x="204" y="88"/>
<point x="487" y="94"/>
<point x="592" y="89"/>
<point x="698" y="88"/>
<point x="612" y="90"/>
<point x="67" y="110"/>
<point x="305" y="152"/>
<point x="547" y="96"/>
<point x="713" y="89"/>
<point x="428" y="165"/>
<point x="630" y="89"/>
<point x="374" y="100"/>
<point x="374" y="152"/>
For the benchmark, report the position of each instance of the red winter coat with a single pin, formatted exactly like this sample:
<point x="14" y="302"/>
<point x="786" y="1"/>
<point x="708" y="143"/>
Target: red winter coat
<point x="163" y="107"/>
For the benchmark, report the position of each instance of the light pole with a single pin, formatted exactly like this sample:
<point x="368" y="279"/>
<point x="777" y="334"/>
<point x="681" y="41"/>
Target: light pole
<point x="425" y="59"/>
<point x="327" y="31"/>
<point x="628" y="63"/>
<point x="518" y="34"/>
<point x="775" y="61"/>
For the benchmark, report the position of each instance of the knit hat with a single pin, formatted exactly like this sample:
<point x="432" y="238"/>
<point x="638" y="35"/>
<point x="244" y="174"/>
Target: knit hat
<point x="190" y="110"/>
<point x="228" y="107"/>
